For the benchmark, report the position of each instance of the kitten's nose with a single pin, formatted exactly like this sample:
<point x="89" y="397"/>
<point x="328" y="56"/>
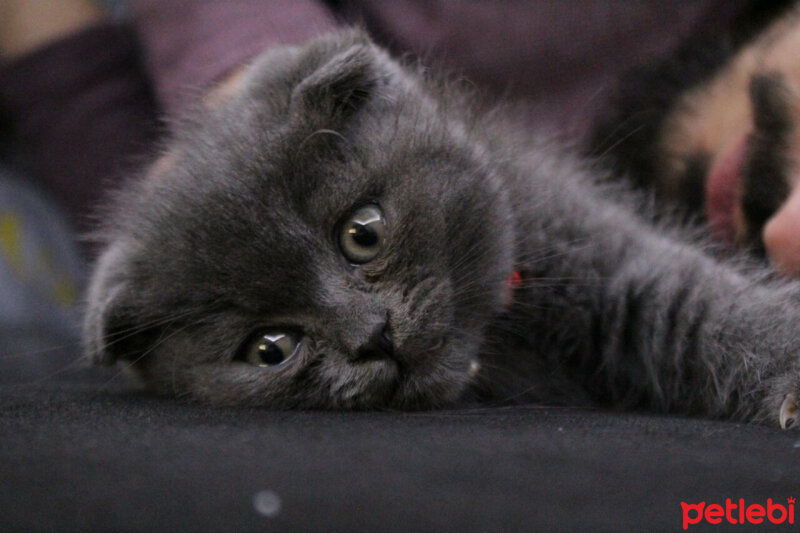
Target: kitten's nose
<point x="379" y="345"/>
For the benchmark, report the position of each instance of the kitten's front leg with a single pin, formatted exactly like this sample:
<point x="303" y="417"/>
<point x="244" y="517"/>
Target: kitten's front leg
<point x="651" y="321"/>
<point x="702" y="337"/>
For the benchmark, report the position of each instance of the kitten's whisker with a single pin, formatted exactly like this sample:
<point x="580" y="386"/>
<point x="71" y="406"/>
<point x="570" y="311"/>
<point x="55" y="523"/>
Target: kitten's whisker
<point x="156" y="321"/>
<point x="77" y="362"/>
<point x="132" y="332"/>
<point x="125" y="333"/>
<point x="161" y="340"/>
<point x="571" y="249"/>
<point x="31" y="353"/>
<point x="80" y="361"/>
<point x="616" y="143"/>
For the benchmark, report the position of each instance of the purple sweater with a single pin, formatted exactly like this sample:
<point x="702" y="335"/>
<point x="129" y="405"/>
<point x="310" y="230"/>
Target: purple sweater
<point x="79" y="110"/>
<point x="82" y="110"/>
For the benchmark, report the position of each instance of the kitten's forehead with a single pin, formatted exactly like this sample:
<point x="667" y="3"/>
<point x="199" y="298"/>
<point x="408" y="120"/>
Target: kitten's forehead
<point x="256" y="190"/>
<point x="221" y="226"/>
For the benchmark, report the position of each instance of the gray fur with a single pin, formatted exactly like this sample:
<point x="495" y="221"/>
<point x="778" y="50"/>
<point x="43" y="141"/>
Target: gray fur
<point x="237" y="232"/>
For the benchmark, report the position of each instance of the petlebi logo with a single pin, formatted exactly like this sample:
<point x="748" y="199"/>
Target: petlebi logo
<point x="738" y="512"/>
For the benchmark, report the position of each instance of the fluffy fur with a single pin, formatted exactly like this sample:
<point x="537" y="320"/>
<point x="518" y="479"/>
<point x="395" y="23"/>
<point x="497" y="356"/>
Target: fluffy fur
<point x="234" y="230"/>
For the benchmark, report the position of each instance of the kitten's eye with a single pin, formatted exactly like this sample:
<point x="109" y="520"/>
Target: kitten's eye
<point x="271" y="349"/>
<point x="363" y="234"/>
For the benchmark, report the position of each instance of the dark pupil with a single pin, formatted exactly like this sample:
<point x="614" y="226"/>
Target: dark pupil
<point x="270" y="353"/>
<point x="364" y="236"/>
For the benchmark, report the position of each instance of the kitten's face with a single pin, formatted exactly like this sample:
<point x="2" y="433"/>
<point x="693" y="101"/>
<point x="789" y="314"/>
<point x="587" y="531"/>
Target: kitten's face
<point x="323" y="235"/>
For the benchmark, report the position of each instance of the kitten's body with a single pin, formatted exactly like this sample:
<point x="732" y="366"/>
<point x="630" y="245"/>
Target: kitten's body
<point x="235" y="230"/>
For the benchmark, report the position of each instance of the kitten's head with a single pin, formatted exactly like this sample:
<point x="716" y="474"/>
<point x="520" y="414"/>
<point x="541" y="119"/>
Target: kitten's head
<point x="325" y="232"/>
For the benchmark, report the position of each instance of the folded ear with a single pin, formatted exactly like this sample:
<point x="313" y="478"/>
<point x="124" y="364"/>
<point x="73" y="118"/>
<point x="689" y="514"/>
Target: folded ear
<point x="103" y="322"/>
<point x="340" y="86"/>
<point x="110" y="328"/>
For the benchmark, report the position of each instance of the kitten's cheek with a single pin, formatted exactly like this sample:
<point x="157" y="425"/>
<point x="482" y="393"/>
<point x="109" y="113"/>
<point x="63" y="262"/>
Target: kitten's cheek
<point x="781" y="236"/>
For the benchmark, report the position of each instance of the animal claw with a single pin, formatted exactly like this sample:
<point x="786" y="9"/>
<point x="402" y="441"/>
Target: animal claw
<point x="474" y="368"/>
<point x="788" y="413"/>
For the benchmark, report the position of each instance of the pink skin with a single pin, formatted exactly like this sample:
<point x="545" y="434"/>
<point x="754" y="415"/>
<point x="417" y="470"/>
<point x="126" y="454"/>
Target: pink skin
<point x="781" y="236"/>
<point x="723" y="191"/>
<point x="781" y="233"/>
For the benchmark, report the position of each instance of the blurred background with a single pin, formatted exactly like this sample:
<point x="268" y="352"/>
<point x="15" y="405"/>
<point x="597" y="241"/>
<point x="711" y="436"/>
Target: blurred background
<point x="88" y="87"/>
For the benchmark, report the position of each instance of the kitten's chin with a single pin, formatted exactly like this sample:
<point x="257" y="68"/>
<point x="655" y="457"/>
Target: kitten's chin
<point x="387" y="384"/>
<point x="421" y="395"/>
<point x="440" y="384"/>
<point x="369" y="385"/>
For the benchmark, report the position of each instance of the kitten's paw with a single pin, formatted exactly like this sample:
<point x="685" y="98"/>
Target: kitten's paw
<point x="789" y="412"/>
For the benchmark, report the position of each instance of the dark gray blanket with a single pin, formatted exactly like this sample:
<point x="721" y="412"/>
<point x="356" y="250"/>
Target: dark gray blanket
<point x="80" y="453"/>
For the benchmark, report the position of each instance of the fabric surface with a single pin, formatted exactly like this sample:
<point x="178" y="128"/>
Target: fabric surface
<point x="80" y="113"/>
<point x="41" y="278"/>
<point x="84" y="453"/>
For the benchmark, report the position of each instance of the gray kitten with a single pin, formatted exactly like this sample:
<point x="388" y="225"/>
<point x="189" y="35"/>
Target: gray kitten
<point x="333" y="230"/>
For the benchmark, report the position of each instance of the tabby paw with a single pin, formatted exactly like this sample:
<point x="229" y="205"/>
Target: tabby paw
<point x="789" y="412"/>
